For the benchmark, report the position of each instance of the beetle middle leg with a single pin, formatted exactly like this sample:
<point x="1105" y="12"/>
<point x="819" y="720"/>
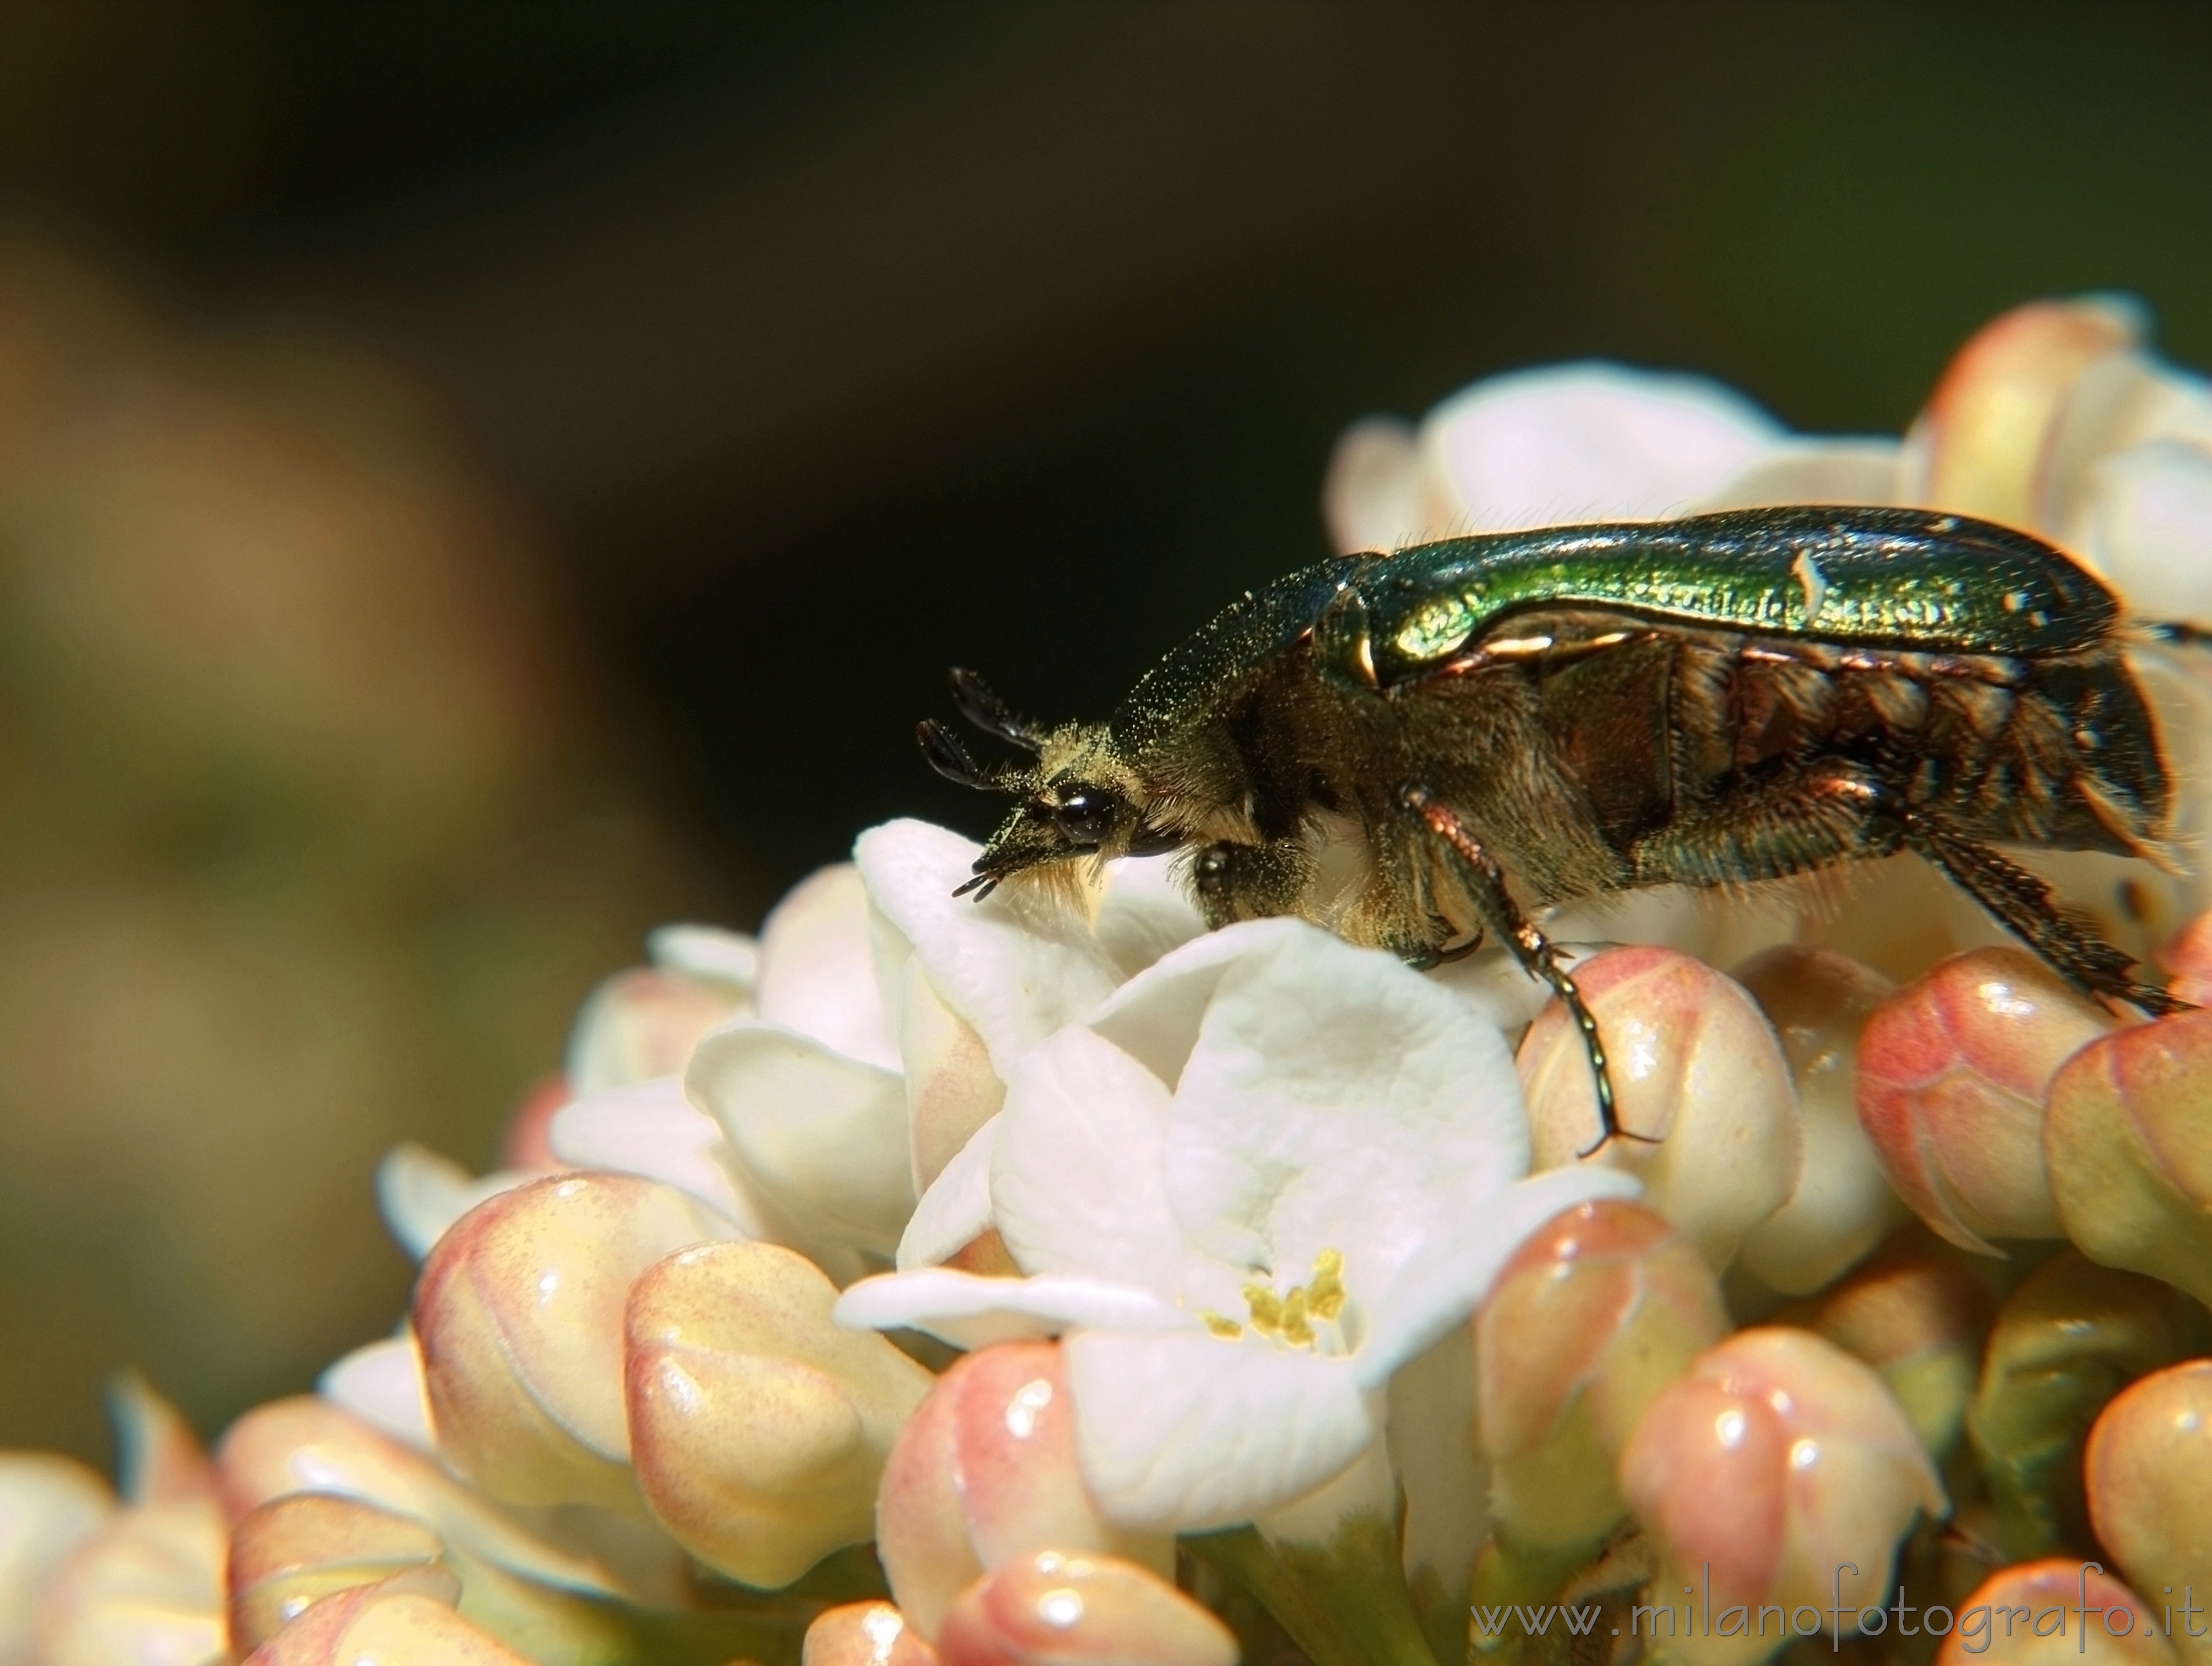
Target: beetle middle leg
<point x="1538" y="956"/>
<point x="2023" y="904"/>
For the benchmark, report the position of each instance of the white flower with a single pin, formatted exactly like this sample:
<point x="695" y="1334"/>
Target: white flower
<point x="884" y="1018"/>
<point x="1578" y="442"/>
<point x="1261" y="1177"/>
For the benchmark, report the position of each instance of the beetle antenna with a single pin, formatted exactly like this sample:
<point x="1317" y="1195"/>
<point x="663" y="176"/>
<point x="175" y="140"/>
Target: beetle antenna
<point x="981" y="707"/>
<point x="950" y="758"/>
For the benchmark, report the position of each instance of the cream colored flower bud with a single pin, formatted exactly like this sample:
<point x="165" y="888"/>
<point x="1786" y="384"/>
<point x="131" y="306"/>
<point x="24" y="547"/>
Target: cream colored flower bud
<point x="519" y="1314"/>
<point x="2128" y="1140"/>
<point x="1818" y="1002"/>
<point x="1774" y="1466"/>
<point x="1979" y="445"/>
<point x="2148" y="1473"/>
<point x="758" y="1429"/>
<point x="1916" y="1314"/>
<point x="2070" y="1336"/>
<point x="383" y="1625"/>
<point x="1053" y="1607"/>
<point x="145" y="1590"/>
<point x="2045" y="1614"/>
<point x="1952" y="1072"/>
<point x="986" y="1472"/>
<point x="301" y="1445"/>
<point x="864" y="1634"/>
<point x="49" y="1506"/>
<point x="293" y="1552"/>
<point x="145" y="1587"/>
<point x="951" y="1088"/>
<point x="1696" y="1072"/>
<point x="1596" y="1312"/>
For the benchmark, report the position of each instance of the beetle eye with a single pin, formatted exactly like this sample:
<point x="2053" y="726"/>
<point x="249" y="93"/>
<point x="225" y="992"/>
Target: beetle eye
<point x="1085" y="816"/>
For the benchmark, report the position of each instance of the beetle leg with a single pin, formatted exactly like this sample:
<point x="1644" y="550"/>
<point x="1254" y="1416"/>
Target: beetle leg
<point x="1538" y="955"/>
<point x="2024" y="905"/>
<point x="2179" y="632"/>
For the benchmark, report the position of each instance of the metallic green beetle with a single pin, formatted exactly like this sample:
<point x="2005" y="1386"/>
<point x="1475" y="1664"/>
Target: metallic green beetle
<point x="1419" y="749"/>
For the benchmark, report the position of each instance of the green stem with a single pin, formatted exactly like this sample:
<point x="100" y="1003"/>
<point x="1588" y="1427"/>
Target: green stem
<point x="1344" y="1602"/>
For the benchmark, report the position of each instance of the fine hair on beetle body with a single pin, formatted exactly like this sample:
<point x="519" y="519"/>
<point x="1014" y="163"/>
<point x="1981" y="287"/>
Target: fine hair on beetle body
<point x="1423" y="750"/>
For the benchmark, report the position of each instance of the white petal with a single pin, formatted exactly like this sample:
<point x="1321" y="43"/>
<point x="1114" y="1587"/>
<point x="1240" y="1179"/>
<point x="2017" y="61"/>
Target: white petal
<point x="1591" y="442"/>
<point x="1439" y="1286"/>
<point x="652" y="1130"/>
<point x="816" y="973"/>
<point x="972" y="1312"/>
<point x="1015" y="970"/>
<point x="421" y="1194"/>
<point x="1078" y="1174"/>
<point x="1155" y="1016"/>
<point x="1439" y="1461"/>
<point x="2150" y="520"/>
<point x="956" y="1210"/>
<point x="823" y="1135"/>
<point x="1144" y="913"/>
<point x="706" y="951"/>
<point x="1841" y="471"/>
<point x="1181" y="1431"/>
<point x="1337" y="1100"/>
<point x="1376" y="494"/>
<point x="382" y="1385"/>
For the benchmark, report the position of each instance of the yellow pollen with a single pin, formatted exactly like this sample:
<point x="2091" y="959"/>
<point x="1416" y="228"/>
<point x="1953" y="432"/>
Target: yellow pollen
<point x="1325" y="1295"/>
<point x="1290" y="1317"/>
<point x="1266" y="1309"/>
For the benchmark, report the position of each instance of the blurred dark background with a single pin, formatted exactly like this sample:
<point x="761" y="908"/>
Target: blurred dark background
<point x="678" y="390"/>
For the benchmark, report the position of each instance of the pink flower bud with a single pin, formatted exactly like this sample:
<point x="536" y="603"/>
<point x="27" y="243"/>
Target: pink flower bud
<point x="519" y="1314"/>
<point x="2067" y="1340"/>
<point x="1777" y="1462"/>
<point x="2128" y="1140"/>
<point x="1604" y="1305"/>
<point x="2149" y="1473"/>
<point x="641" y="1023"/>
<point x="1818" y="1002"/>
<point x="2045" y="1614"/>
<point x="986" y="1472"/>
<point x="379" y="1624"/>
<point x="1916" y="1314"/>
<point x="1052" y="1608"/>
<point x="293" y="1552"/>
<point x="527" y="1144"/>
<point x="758" y="1428"/>
<point x="1952" y="1072"/>
<point x="2189" y="958"/>
<point x="1696" y="1070"/>
<point x="865" y="1634"/>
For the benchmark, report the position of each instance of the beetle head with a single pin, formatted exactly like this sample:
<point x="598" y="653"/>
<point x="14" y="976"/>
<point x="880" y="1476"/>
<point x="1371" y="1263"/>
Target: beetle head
<point x="1077" y="797"/>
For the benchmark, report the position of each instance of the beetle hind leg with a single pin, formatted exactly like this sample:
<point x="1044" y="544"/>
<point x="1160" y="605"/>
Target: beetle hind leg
<point x="1539" y="957"/>
<point x="2023" y="904"/>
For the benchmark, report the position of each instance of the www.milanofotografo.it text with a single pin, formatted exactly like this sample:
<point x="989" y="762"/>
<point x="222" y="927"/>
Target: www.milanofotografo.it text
<point x="1978" y="1625"/>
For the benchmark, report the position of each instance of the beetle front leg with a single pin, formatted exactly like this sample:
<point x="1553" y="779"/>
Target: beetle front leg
<point x="1235" y="882"/>
<point x="1539" y="957"/>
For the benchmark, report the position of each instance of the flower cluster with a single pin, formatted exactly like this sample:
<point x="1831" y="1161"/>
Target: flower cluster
<point x="1023" y="1281"/>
